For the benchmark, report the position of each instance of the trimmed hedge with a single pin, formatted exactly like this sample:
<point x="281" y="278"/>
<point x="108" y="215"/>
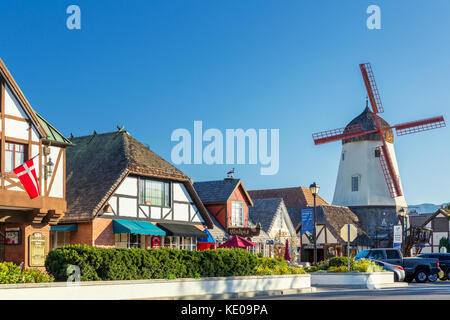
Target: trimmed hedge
<point x="132" y="264"/>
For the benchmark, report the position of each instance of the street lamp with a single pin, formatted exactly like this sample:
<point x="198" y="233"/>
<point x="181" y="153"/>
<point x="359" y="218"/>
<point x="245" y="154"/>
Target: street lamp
<point x="314" y="188"/>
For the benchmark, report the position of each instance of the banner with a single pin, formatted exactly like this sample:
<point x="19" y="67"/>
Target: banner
<point x="307" y="220"/>
<point x="397" y="236"/>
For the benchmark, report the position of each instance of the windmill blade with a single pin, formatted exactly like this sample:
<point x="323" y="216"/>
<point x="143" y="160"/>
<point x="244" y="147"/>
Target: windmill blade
<point x="371" y="87"/>
<point x="338" y="134"/>
<point x="392" y="181"/>
<point x="419" y="126"/>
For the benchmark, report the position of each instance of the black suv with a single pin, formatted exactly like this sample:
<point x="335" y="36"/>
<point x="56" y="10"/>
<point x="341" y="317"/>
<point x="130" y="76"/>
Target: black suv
<point x="444" y="262"/>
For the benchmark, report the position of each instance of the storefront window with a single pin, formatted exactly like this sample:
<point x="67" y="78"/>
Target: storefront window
<point x="187" y="243"/>
<point x="129" y="240"/>
<point x="59" y="238"/>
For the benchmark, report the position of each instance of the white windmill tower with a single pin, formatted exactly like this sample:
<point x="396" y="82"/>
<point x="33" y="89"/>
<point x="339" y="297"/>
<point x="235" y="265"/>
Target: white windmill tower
<point x="368" y="179"/>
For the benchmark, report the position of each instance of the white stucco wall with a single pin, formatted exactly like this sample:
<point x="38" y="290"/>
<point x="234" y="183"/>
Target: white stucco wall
<point x="360" y="160"/>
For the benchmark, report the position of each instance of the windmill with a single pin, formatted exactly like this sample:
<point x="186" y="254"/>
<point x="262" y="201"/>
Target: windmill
<point x="381" y="130"/>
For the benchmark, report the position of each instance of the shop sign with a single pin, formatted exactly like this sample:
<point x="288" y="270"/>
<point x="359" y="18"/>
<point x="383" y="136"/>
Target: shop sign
<point x="397" y="236"/>
<point x="244" y="232"/>
<point x="37" y="247"/>
<point x="156" y="242"/>
<point x="12" y="236"/>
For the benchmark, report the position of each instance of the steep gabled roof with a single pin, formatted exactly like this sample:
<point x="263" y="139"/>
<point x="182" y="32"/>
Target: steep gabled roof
<point x="219" y="190"/>
<point x="97" y="164"/>
<point x="45" y="129"/>
<point x="442" y="211"/>
<point x="53" y="136"/>
<point x="264" y="212"/>
<point x="293" y="197"/>
<point x="335" y="217"/>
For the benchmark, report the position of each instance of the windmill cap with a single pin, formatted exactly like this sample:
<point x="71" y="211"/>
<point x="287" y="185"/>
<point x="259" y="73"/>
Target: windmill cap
<point x="368" y="122"/>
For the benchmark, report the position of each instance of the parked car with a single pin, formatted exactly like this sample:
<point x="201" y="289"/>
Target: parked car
<point x="444" y="263"/>
<point x="399" y="272"/>
<point x="415" y="268"/>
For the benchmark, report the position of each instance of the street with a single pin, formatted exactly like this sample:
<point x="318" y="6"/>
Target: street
<point x="415" y="291"/>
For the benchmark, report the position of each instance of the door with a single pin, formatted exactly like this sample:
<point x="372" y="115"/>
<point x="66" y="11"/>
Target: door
<point x="2" y="247"/>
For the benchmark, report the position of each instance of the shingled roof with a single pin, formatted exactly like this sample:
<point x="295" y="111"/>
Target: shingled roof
<point x="219" y="190"/>
<point x="293" y="197"/>
<point x="368" y="122"/>
<point x="335" y="217"/>
<point x="98" y="163"/>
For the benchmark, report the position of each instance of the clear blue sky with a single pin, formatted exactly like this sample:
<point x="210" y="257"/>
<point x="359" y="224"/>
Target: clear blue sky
<point x="155" y="66"/>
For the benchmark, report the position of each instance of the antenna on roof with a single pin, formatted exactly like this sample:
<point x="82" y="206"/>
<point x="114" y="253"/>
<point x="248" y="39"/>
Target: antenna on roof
<point x="71" y="136"/>
<point x="93" y="136"/>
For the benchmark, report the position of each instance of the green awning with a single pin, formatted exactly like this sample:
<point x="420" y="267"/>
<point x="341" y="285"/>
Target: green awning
<point x="66" y="227"/>
<point x="138" y="227"/>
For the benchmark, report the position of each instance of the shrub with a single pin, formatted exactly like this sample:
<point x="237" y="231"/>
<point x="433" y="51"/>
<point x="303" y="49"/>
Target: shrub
<point x="11" y="273"/>
<point x="277" y="270"/>
<point x="338" y="269"/>
<point x="132" y="264"/>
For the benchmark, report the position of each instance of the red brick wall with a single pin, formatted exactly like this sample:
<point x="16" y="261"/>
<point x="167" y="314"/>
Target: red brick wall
<point x="83" y="235"/>
<point x="98" y="232"/>
<point x="19" y="253"/>
<point x="103" y="233"/>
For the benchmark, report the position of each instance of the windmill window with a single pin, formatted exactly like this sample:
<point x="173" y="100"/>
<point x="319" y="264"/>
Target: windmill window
<point x="355" y="183"/>
<point x="377" y="153"/>
<point x="343" y="156"/>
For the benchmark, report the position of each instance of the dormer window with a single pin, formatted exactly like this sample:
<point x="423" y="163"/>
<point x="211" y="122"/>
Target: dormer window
<point x="154" y="193"/>
<point x="237" y="214"/>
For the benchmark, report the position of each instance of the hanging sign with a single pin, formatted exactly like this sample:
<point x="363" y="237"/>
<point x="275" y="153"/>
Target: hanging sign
<point x="397" y="236"/>
<point x="156" y="242"/>
<point x="307" y="221"/>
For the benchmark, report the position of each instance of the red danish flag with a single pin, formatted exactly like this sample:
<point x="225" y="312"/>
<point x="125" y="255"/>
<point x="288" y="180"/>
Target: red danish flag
<point x="27" y="175"/>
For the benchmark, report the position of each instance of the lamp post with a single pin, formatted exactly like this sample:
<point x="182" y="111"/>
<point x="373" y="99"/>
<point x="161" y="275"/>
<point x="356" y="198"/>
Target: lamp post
<point x="314" y="188"/>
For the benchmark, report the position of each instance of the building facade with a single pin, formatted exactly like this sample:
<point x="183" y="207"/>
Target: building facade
<point x="24" y="222"/>
<point x="121" y="194"/>
<point x="439" y="225"/>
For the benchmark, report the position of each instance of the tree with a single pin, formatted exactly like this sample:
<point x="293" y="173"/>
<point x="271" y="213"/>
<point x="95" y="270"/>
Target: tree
<point x="444" y="242"/>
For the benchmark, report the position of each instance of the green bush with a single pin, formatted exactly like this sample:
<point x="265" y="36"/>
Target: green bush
<point x="338" y="269"/>
<point x="340" y="264"/>
<point x="131" y="264"/>
<point x="341" y="261"/>
<point x="11" y="273"/>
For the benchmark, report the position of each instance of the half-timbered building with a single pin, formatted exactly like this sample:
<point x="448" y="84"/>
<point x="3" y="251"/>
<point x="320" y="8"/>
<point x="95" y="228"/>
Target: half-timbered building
<point x="273" y="218"/>
<point x="121" y="194"/>
<point x="24" y="134"/>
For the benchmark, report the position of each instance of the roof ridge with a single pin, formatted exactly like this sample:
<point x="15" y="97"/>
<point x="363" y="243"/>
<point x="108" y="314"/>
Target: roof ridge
<point x="100" y="134"/>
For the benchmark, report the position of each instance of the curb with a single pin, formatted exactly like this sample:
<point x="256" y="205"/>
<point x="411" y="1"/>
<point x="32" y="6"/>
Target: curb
<point x="237" y="296"/>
